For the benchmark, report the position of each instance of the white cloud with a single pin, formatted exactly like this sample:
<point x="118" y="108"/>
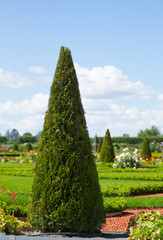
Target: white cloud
<point x="109" y="83"/>
<point x="127" y="120"/>
<point x="13" y="80"/>
<point x="36" y="105"/>
<point x="36" y="69"/>
<point x="160" y="99"/>
<point x="31" y="124"/>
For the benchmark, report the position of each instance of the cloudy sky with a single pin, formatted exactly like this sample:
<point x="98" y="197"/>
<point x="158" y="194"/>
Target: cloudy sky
<point x="117" y="49"/>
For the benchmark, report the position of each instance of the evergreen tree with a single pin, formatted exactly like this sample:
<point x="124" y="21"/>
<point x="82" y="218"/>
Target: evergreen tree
<point x="146" y="152"/>
<point x="99" y="146"/>
<point x="65" y="194"/>
<point x="107" y="151"/>
<point x="29" y="146"/>
<point x="15" y="147"/>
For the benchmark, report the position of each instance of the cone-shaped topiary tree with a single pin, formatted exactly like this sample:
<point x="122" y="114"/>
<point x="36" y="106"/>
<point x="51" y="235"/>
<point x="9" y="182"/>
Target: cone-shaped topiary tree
<point x="65" y="194"/>
<point x="99" y="146"/>
<point x="146" y="152"/>
<point x="107" y="151"/>
<point x="29" y="146"/>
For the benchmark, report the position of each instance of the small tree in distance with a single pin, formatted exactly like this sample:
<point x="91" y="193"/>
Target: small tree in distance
<point x="107" y="151"/>
<point x="99" y="146"/>
<point x="65" y="194"/>
<point x="146" y="152"/>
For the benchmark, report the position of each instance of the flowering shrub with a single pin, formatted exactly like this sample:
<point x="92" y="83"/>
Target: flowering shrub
<point x="146" y="226"/>
<point x="127" y="159"/>
<point x="9" y="205"/>
<point x="11" y="224"/>
<point x="27" y="158"/>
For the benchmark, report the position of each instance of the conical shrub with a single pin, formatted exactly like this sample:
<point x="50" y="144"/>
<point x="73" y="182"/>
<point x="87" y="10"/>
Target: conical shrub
<point x="99" y="146"/>
<point x="65" y="194"/>
<point x="146" y="151"/>
<point x="29" y="146"/>
<point x="107" y="151"/>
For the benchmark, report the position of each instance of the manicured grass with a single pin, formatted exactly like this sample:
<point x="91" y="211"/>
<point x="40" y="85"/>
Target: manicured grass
<point x="115" y="182"/>
<point x="17" y="178"/>
<point x="145" y="202"/>
<point x="17" y="169"/>
<point x="17" y="184"/>
<point x="20" y="185"/>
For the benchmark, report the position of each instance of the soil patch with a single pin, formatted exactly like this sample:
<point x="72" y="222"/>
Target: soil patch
<point x="120" y="222"/>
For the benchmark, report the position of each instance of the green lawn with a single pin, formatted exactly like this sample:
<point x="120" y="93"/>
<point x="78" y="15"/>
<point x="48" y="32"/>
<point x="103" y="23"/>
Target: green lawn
<point x="18" y="178"/>
<point x="114" y="182"/>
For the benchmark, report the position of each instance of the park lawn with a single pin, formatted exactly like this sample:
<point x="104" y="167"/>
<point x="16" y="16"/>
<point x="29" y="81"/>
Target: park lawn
<point x="18" y="178"/>
<point x="114" y="182"/>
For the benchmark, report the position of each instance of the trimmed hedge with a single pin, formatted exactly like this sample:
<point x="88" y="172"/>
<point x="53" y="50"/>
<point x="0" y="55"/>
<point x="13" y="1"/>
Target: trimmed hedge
<point x="134" y="176"/>
<point x="26" y="139"/>
<point x="132" y="189"/>
<point x="132" y="140"/>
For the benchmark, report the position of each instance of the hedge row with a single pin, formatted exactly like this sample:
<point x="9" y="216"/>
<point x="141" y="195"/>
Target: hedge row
<point x="26" y="139"/>
<point x="12" y="154"/>
<point x="132" y="140"/>
<point x="134" y="176"/>
<point x="132" y="189"/>
<point x="14" y="169"/>
<point x="3" y="139"/>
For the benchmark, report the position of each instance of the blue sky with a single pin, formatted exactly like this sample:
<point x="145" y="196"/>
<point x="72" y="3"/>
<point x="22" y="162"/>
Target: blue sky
<point x="117" y="50"/>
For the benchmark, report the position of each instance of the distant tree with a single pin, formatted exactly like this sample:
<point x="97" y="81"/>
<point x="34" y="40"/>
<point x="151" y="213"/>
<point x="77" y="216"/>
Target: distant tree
<point x="95" y="143"/>
<point x="65" y="193"/>
<point x="26" y="139"/>
<point x="107" y="151"/>
<point x="146" y="152"/>
<point x="28" y="146"/>
<point x="153" y="132"/>
<point x="27" y="134"/>
<point x="39" y="134"/>
<point x="8" y="135"/>
<point x="14" y="135"/>
<point x="125" y="135"/>
<point x="99" y="146"/>
<point x="15" y="147"/>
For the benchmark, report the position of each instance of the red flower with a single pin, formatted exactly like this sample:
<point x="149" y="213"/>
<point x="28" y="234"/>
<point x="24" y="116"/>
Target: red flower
<point x="3" y="189"/>
<point x="12" y="196"/>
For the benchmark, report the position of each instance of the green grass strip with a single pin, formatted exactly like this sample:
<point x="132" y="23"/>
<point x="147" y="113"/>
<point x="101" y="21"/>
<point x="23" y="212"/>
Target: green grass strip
<point x="133" y="176"/>
<point x="144" y="202"/>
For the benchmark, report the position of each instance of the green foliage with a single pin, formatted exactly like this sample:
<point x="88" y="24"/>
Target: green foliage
<point x="27" y="134"/>
<point x="127" y="140"/>
<point x="153" y="132"/>
<point x="144" y="203"/>
<point x="28" y="146"/>
<point x="15" y="147"/>
<point x="146" y="152"/>
<point x="16" y="210"/>
<point x="10" y="224"/>
<point x="65" y="194"/>
<point x="10" y="154"/>
<point x="17" y="169"/>
<point x="27" y="138"/>
<point x="116" y="204"/>
<point x="132" y="189"/>
<point x="3" y="139"/>
<point x="99" y="146"/>
<point x="107" y="150"/>
<point x="146" y="226"/>
<point x="132" y="176"/>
